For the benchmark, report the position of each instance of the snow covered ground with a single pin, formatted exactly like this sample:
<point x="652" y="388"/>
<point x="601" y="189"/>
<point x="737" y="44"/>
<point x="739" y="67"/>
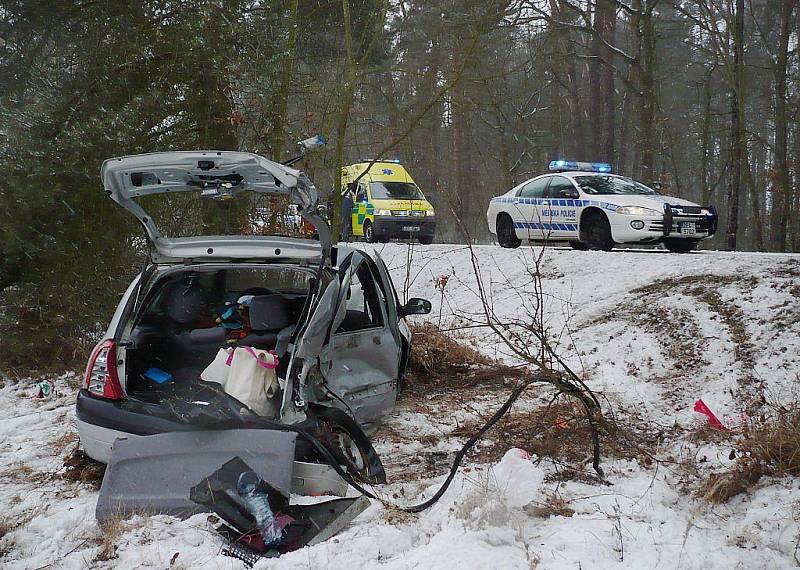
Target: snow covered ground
<point x="651" y="332"/>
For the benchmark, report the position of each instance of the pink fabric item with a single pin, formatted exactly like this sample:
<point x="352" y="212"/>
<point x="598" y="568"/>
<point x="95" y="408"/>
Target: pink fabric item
<point x="249" y="349"/>
<point x="700" y="407"/>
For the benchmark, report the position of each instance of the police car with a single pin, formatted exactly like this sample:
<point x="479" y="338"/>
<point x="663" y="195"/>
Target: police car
<point x="591" y="208"/>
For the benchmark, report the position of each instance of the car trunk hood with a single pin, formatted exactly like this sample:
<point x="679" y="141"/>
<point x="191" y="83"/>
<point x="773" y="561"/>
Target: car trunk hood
<point x="216" y="175"/>
<point x="220" y="248"/>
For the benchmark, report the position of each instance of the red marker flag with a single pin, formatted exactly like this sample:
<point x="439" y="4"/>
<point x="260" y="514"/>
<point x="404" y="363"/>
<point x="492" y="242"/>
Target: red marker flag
<point x="700" y="407"/>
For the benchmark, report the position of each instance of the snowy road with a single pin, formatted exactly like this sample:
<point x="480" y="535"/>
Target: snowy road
<point x="650" y="331"/>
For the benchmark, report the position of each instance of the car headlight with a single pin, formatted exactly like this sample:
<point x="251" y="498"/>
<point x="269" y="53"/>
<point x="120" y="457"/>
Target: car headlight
<point x="383" y="212"/>
<point x="429" y="213"/>
<point x="638" y="211"/>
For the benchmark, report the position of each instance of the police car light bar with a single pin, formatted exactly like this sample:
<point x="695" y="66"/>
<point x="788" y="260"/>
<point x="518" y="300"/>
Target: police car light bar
<point x="391" y="160"/>
<point x="562" y="165"/>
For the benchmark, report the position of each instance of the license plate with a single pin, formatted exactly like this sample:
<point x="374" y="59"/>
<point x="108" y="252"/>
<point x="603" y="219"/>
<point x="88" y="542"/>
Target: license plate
<point x="688" y="228"/>
<point x="410" y="228"/>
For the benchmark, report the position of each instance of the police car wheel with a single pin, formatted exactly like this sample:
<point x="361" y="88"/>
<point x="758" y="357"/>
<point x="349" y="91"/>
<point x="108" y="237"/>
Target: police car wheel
<point x="369" y="232"/>
<point x="680" y="245"/>
<point x="579" y="245"/>
<point x="506" y="236"/>
<point x="597" y="233"/>
<point x="426" y="240"/>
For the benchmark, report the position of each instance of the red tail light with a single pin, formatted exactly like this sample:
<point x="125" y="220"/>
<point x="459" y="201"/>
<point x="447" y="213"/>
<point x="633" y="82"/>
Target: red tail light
<point x="102" y="379"/>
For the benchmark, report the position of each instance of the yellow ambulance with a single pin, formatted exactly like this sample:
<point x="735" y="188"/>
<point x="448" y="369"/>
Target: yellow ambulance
<point x="387" y="203"/>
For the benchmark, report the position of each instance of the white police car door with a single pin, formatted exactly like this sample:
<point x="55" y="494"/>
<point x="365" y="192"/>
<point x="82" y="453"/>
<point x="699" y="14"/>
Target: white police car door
<point x="561" y="210"/>
<point x="527" y="209"/>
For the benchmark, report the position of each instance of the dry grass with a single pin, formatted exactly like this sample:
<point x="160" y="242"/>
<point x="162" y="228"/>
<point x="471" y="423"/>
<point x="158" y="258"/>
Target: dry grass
<point x="434" y="352"/>
<point x="553" y="506"/>
<point x="108" y="540"/>
<point x="69" y="438"/>
<point x="82" y="468"/>
<point x="561" y="432"/>
<point x="7" y="526"/>
<point x="769" y="447"/>
<point x="776" y="442"/>
<point x="720" y="487"/>
<point x="442" y="361"/>
<point x="10" y="524"/>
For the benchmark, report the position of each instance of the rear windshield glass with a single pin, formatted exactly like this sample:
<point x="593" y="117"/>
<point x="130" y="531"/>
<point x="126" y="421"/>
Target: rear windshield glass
<point x="201" y="296"/>
<point x="395" y="191"/>
<point x="613" y="185"/>
<point x="186" y="214"/>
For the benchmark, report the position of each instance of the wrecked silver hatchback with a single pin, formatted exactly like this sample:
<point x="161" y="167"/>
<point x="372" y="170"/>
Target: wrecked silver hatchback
<point x="245" y="331"/>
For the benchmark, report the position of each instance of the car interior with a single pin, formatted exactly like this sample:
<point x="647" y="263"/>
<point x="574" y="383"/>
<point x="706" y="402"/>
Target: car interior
<point x="190" y="315"/>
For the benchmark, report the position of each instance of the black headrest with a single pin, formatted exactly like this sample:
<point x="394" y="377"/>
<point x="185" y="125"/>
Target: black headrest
<point x="184" y="304"/>
<point x="269" y="313"/>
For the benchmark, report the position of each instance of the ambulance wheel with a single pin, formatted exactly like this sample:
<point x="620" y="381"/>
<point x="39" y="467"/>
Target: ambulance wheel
<point x="596" y="233"/>
<point x="506" y="235"/>
<point x="680" y="245"/>
<point x="426" y="240"/>
<point x="369" y="232"/>
<point x="579" y="245"/>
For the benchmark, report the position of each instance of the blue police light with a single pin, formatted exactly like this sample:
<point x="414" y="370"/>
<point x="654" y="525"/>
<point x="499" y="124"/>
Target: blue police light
<point x="389" y="160"/>
<point x="562" y="165"/>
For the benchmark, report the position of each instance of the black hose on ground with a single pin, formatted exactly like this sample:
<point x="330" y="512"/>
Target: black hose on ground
<point x="515" y="394"/>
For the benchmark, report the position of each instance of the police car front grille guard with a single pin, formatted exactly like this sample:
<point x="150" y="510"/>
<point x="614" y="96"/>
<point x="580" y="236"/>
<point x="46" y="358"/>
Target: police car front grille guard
<point x="705" y="222"/>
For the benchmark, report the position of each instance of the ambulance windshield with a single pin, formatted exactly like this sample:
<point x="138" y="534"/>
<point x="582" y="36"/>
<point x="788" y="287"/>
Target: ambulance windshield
<point x="613" y="185"/>
<point x="395" y="191"/>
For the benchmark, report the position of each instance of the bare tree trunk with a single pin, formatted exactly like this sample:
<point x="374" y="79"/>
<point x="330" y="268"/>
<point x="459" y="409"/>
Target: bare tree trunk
<point x="346" y="103"/>
<point x="576" y="112"/>
<point x="602" y="78"/>
<point x="560" y="108"/>
<point x="456" y="190"/>
<point x="782" y="195"/>
<point x="795" y="217"/>
<point x="705" y="167"/>
<point x="647" y="60"/>
<point x="737" y="136"/>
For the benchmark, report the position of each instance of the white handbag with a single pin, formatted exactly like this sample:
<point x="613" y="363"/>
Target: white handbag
<point x="252" y="378"/>
<point x="219" y="368"/>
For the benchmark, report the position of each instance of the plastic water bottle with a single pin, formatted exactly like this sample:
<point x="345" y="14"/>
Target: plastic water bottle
<point x="258" y="506"/>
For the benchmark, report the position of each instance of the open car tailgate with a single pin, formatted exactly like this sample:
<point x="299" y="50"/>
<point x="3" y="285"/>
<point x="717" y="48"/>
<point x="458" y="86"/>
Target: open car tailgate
<point x="215" y="175"/>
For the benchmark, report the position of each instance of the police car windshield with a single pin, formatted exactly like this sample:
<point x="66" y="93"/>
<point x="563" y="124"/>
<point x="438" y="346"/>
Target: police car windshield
<point x="395" y="191"/>
<point x="613" y="185"/>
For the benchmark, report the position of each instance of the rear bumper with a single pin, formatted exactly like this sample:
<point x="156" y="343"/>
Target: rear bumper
<point x="97" y="441"/>
<point x="100" y="422"/>
<point x="307" y="478"/>
<point x="394" y="226"/>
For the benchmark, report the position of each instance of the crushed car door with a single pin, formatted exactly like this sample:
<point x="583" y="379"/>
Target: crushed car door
<point x="392" y="301"/>
<point x="363" y="354"/>
<point x="350" y="336"/>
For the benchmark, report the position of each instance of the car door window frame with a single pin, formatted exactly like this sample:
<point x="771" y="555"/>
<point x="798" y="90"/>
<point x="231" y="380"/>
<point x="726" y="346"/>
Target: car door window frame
<point x="379" y="292"/>
<point x="558" y="179"/>
<point x="545" y="179"/>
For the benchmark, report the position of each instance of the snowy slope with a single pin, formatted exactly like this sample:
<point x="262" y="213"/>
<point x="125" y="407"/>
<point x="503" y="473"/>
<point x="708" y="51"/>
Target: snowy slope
<point x="651" y="332"/>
